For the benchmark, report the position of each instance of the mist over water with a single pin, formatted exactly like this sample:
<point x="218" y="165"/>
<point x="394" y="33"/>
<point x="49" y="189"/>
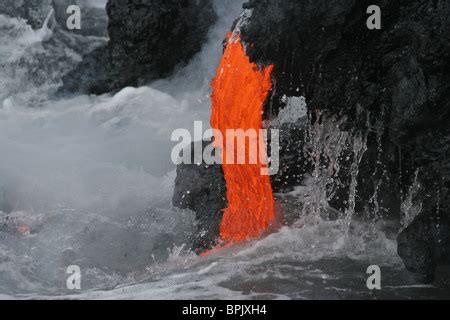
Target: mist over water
<point x="78" y="150"/>
<point x="92" y="176"/>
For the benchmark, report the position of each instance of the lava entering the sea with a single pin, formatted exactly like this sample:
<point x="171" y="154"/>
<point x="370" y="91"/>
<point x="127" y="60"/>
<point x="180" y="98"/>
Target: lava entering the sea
<point x="240" y="89"/>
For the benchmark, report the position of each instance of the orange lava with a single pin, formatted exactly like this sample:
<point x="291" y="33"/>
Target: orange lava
<point x="24" y="229"/>
<point x="240" y="89"/>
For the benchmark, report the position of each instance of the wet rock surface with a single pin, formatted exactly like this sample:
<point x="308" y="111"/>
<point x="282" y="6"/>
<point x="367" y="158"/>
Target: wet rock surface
<point x="425" y="244"/>
<point x="94" y="21"/>
<point x="294" y="157"/>
<point x="202" y="189"/>
<point x="148" y="40"/>
<point x="391" y="85"/>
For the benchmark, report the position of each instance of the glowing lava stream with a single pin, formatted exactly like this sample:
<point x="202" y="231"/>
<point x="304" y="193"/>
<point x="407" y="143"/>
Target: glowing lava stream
<point x="240" y="89"/>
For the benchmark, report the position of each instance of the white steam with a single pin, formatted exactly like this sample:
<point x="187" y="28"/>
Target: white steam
<point x="91" y="176"/>
<point x="88" y="152"/>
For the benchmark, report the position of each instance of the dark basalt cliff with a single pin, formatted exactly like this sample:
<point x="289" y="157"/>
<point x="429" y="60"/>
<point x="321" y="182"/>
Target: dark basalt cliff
<point x="391" y="86"/>
<point x="148" y="39"/>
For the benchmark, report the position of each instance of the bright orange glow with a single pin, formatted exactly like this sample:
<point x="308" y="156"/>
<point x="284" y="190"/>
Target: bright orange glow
<point x="240" y="89"/>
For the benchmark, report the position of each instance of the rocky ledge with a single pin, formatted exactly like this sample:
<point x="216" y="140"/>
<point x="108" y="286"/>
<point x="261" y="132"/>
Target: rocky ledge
<point x="147" y="41"/>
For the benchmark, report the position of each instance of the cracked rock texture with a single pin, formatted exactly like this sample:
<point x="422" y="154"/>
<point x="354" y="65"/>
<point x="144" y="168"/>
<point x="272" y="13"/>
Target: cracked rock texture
<point x="148" y="40"/>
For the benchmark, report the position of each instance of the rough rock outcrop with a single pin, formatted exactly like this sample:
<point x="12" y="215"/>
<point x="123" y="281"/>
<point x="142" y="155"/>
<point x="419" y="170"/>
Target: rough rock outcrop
<point x="425" y="244"/>
<point x="294" y="159"/>
<point x="148" y="40"/>
<point x="94" y="21"/>
<point x="202" y="189"/>
<point x="391" y="84"/>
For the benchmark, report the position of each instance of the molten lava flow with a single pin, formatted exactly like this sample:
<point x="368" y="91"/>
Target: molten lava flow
<point x="240" y="89"/>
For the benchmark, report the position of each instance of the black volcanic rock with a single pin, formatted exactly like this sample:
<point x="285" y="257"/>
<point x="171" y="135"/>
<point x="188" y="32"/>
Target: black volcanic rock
<point x="390" y="85"/>
<point x="148" y="39"/>
<point x="295" y="161"/>
<point x="202" y="189"/>
<point x="94" y="21"/>
<point x="426" y="244"/>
